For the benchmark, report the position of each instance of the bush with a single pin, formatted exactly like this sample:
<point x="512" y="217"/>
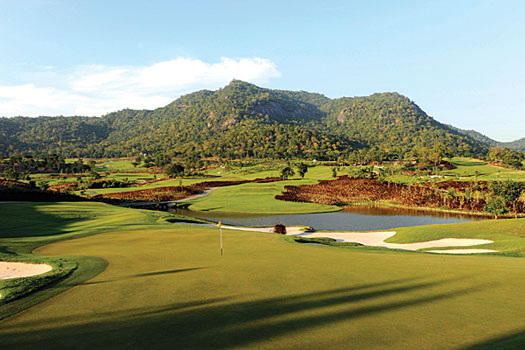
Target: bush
<point x="279" y="228"/>
<point x="496" y="206"/>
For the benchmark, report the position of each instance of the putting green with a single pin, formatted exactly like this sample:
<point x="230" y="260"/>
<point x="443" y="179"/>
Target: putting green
<point x="170" y="288"/>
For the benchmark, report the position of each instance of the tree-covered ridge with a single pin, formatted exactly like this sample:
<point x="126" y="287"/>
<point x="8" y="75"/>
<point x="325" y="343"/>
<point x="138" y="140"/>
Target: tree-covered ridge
<point x="515" y="145"/>
<point x="394" y="124"/>
<point x="61" y="135"/>
<point x="243" y="120"/>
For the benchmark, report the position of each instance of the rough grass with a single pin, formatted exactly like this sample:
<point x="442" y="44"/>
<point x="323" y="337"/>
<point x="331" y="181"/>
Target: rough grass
<point x="167" y="286"/>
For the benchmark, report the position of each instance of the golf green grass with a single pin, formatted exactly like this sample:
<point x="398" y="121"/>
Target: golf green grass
<point x="257" y="198"/>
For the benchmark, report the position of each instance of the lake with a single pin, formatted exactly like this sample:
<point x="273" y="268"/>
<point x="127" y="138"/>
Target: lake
<point x="350" y="219"/>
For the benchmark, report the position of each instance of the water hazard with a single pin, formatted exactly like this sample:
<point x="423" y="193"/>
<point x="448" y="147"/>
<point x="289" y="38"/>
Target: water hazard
<point x="352" y="219"/>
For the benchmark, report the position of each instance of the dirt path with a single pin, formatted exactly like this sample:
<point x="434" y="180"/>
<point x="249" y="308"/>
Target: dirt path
<point x="195" y="196"/>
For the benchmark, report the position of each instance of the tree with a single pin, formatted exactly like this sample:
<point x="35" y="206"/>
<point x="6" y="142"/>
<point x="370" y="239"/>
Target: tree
<point x="334" y="172"/>
<point x="94" y="174"/>
<point x="302" y="169"/>
<point x="148" y="162"/>
<point x="287" y="172"/>
<point x="174" y="170"/>
<point x="10" y="173"/>
<point x="510" y="191"/>
<point x="496" y="206"/>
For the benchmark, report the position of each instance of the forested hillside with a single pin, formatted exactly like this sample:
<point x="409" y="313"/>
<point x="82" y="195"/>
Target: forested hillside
<point x="243" y="120"/>
<point x="515" y="145"/>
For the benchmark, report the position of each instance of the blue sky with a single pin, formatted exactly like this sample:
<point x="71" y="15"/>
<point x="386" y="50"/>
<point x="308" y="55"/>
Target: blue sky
<point x="461" y="61"/>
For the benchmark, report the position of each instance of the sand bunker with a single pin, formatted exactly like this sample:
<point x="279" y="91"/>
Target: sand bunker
<point x="377" y="239"/>
<point x="462" y="251"/>
<point x="9" y="269"/>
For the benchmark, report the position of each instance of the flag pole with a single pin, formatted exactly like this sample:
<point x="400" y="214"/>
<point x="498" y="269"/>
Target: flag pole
<point x="220" y="230"/>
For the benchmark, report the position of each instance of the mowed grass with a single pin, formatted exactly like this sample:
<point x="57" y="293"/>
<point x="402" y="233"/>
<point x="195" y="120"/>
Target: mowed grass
<point x="166" y="286"/>
<point x="120" y="165"/>
<point x="468" y="169"/>
<point x="482" y="171"/>
<point x="318" y="171"/>
<point x="26" y="226"/>
<point x="256" y="198"/>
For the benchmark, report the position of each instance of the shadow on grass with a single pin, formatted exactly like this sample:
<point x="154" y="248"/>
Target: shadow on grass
<point x="224" y="323"/>
<point x="24" y="219"/>
<point x="147" y="274"/>
<point x="513" y="341"/>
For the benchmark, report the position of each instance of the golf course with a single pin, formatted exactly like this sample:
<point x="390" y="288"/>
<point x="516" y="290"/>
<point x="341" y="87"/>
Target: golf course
<point x="262" y="175"/>
<point x="139" y="280"/>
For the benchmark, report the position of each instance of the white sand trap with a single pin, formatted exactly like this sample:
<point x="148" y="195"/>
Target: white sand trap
<point x="377" y="239"/>
<point x="462" y="251"/>
<point x="9" y="269"/>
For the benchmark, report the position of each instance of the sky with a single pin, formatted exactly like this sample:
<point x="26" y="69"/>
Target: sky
<point x="461" y="61"/>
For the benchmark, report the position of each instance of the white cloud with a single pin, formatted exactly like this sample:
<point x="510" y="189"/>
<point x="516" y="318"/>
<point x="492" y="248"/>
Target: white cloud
<point x="96" y="89"/>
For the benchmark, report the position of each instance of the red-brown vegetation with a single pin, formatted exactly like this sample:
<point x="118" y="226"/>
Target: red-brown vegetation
<point x="346" y="190"/>
<point x="158" y="194"/>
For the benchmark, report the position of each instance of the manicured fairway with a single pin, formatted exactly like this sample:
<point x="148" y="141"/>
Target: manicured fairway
<point x="166" y="286"/>
<point x="483" y="171"/>
<point x="257" y="198"/>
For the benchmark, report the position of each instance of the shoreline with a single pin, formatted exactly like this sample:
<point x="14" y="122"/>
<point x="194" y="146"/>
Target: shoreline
<point x="430" y="209"/>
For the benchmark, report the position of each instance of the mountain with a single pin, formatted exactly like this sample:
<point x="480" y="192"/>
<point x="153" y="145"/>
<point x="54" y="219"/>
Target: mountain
<point x="243" y="120"/>
<point x="515" y="145"/>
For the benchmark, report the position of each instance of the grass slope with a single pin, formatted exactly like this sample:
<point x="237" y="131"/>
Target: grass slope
<point x="166" y="286"/>
<point x="26" y="226"/>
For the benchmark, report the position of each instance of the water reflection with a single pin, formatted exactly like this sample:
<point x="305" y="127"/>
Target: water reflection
<point x="351" y="219"/>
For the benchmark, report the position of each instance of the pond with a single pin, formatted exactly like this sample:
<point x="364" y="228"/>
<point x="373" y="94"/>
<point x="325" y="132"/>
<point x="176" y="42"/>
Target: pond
<point x="350" y="219"/>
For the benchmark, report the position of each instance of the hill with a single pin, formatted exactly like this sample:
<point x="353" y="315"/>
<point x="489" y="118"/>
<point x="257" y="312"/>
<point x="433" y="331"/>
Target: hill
<point x="515" y="145"/>
<point x="243" y="120"/>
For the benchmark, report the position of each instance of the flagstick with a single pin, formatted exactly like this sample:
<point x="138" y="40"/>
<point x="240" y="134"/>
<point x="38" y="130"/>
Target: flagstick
<point x="220" y="229"/>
